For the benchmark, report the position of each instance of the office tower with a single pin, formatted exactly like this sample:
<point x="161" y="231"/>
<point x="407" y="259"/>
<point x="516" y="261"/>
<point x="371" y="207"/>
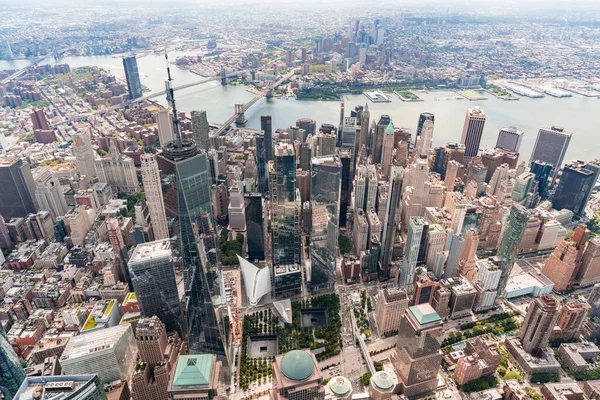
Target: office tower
<point x="551" y="146"/>
<point x="283" y="176"/>
<point x="186" y="190"/>
<point x="12" y="374"/>
<point x="236" y="210"/>
<point x="305" y="156"/>
<point x="296" y="377"/>
<point x="118" y="171"/>
<point x="509" y="243"/>
<point x="456" y="245"/>
<point x="151" y="340"/>
<point x="325" y="202"/>
<point x="164" y="123"/>
<point x="414" y="234"/>
<point x="389" y="231"/>
<point x="363" y="138"/>
<point x="196" y="377"/>
<point x="49" y="193"/>
<point x="418" y="357"/>
<point x="538" y="324"/>
<point x="5" y="240"/>
<point x="152" y="272"/>
<point x="111" y="353"/>
<point x="466" y="265"/>
<point x="509" y="139"/>
<point x="542" y="172"/>
<point x="17" y="197"/>
<point x="309" y="125"/>
<point x="472" y="132"/>
<point x="346" y="188"/>
<point x="132" y="75"/>
<point x="349" y="133"/>
<point x="255" y="231"/>
<point x="84" y="155"/>
<point x="261" y="163"/>
<point x="477" y="172"/>
<point x="266" y="125"/>
<point x="523" y="186"/>
<point x="377" y="141"/>
<point x="436" y="243"/>
<point x="360" y="231"/>
<point x="325" y="144"/>
<point x="451" y="173"/>
<point x="154" y="196"/>
<point x="575" y="187"/>
<point x="38" y="119"/>
<point x="201" y="129"/>
<point x="561" y="266"/>
<point x="424" y="138"/>
<point x="387" y="150"/>
<point x="365" y="187"/>
<point x="391" y="305"/>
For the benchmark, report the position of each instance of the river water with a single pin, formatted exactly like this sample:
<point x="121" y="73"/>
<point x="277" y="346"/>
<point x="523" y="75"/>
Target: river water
<point x="579" y="114"/>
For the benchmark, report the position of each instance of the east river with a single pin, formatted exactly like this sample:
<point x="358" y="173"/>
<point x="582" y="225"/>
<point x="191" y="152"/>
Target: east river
<point x="579" y="114"/>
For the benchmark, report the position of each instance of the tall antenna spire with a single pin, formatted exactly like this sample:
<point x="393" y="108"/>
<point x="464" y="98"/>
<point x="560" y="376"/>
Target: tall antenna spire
<point x="171" y="100"/>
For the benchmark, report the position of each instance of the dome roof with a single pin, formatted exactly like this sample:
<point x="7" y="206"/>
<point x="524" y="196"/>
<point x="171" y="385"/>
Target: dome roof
<point x="297" y="365"/>
<point x="383" y="380"/>
<point x="340" y="386"/>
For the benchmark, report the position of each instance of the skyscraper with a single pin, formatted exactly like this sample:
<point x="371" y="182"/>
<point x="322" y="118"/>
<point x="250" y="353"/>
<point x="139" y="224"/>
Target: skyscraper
<point x="424" y="138"/>
<point x="539" y="321"/>
<point x="363" y="139"/>
<point x="255" y="232"/>
<point x="153" y="276"/>
<point x="551" y="146"/>
<point x="509" y="139"/>
<point x="414" y="234"/>
<point x="261" y="163"/>
<point x="418" y="358"/>
<point x="509" y="243"/>
<point x="201" y="129"/>
<point x="575" y="186"/>
<point x="118" y="171"/>
<point x="12" y="374"/>
<point x="154" y="196"/>
<point x="389" y="230"/>
<point x="186" y="190"/>
<point x="84" y="155"/>
<point x="164" y="123"/>
<point x="132" y="75"/>
<point x="38" y="119"/>
<point x="346" y="188"/>
<point x="377" y="140"/>
<point x="542" y="172"/>
<point x="387" y="150"/>
<point x="472" y="132"/>
<point x="49" y="193"/>
<point x="17" y="198"/>
<point x="266" y="125"/>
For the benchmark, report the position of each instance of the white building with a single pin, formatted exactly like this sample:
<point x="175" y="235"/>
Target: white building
<point x="84" y="155"/>
<point x="154" y="196"/>
<point x="49" y="193"/>
<point x="164" y="122"/>
<point x="118" y="171"/>
<point x="236" y="210"/>
<point x="257" y="281"/>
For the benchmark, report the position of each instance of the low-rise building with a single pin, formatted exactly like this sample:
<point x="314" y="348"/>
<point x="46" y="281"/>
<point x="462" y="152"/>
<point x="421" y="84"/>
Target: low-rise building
<point x="579" y="356"/>
<point x="561" y="391"/>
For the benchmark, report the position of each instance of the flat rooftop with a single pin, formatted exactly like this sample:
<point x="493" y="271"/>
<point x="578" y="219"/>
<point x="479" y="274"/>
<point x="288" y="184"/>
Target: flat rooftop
<point x="159" y="249"/>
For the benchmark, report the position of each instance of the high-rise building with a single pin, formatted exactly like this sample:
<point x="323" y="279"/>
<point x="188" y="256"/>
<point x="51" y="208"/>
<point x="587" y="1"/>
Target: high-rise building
<point x="326" y="182"/>
<point x="436" y="243"/>
<point x="255" y="232"/>
<point x="575" y="186"/>
<point x="152" y="272"/>
<point x="387" y="150"/>
<point x="551" y="146"/>
<point x="571" y="320"/>
<point x="283" y="175"/>
<point x="151" y="339"/>
<point x="523" y="186"/>
<point x="164" y="123"/>
<point x="472" y="132"/>
<point x="389" y="230"/>
<point x="560" y="267"/>
<point x="84" y="155"/>
<point x="509" y="243"/>
<point x="201" y="129"/>
<point x="389" y="309"/>
<point x="414" y="234"/>
<point x="17" y="197"/>
<point x="326" y="144"/>
<point x="12" y="374"/>
<point x="38" y="119"/>
<point x="309" y="125"/>
<point x="154" y="196"/>
<point x="346" y="188"/>
<point x="196" y="377"/>
<point x="589" y="272"/>
<point x="266" y="125"/>
<point x="418" y="356"/>
<point x="186" y="190"/>
<point x="118" y="171"/>
<point x="424" y="138"/>
<point x="236" y="210"/>
<point x="376" y="146"/>
<point x="132" y="75"/>
<point x="538" y="324"/>
<point x="542" y="172"/>
<point x="261" y="163"/>
<point x="456" y="245"/>
<point x="49" y="192"/>
<point x="509" y="139"/>
<point x="363" y="139"/>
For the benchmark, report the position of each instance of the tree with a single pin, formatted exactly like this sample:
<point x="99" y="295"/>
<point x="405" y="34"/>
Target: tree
<point x="366" y="379"/>
<point x="344" y="244"/>
<point x="533" y="394"/>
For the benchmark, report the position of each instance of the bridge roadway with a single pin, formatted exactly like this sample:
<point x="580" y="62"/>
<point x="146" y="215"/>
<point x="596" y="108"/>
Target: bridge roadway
<point x="249" y="104"/>
<point x="20" y="72"/>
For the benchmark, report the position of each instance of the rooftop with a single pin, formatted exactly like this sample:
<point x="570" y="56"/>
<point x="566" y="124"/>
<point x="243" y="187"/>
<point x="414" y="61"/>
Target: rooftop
<point x="193" y="370"/>
<point x="424" y="313"/>
<point x="297" y="365"/>
<point x="159" y="249"/>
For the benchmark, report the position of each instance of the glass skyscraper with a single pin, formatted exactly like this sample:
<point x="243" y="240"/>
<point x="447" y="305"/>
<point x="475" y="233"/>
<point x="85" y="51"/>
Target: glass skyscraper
<point x="542" y="172"/>
<point x="132" y="75"/>
<point x="255" y="232"/>
<point x="12" y="374"/>
<point x="509" y="243"/>
<point x="575" y="186"/>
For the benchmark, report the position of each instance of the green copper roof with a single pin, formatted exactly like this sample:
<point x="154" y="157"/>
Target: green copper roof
<point x="424" y="313"/>
<point x="297" y="365"/>
<point x="193" y="370"/>
<point x="390" y="128"/>
<point x="383" y="380"/>
<point x="340" y="386"/>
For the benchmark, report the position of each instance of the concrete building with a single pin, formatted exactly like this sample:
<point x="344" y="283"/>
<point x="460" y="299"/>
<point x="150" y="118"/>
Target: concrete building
<point x="196" y="377"/>
<point x="575" y="186"/>
<point x="463" y="297"/>
<point x="589" y="272"/>
<point x="296" y="377"/>
<point x="49" y="192"/>
<point x="84" y="155"/>
<point x="85" y="386"/>
<point x="200" y="129"/>
<point x="472" y="132"/>
<point x="561" y="266"/>
<point x="236" y="210"/>
<point x="571" y="320"/>
<point x="17" y="199"/>
<point x="164" y="123"/>
<point x="550" y="147"/>
<point x="390" y="307"/>
<point x="509" y="139"/>
<point x="154" y="196"/>
<point x="561" y="391"/>
<point x="110" y="353"/>
<point x="538" y="324"/>
<point x="579" y="356"/>
<point x="118" y="171"/>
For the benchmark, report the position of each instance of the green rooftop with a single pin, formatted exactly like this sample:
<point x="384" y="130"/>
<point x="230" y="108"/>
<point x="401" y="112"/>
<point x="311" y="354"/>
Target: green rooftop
<point x="194" y="370"/>
<point x="390" y="128"/>
<point x="383" y="380"/>
<point x="424" y="314"/>
<point x="297" y="365"/>
<point x="340" y="386"/>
